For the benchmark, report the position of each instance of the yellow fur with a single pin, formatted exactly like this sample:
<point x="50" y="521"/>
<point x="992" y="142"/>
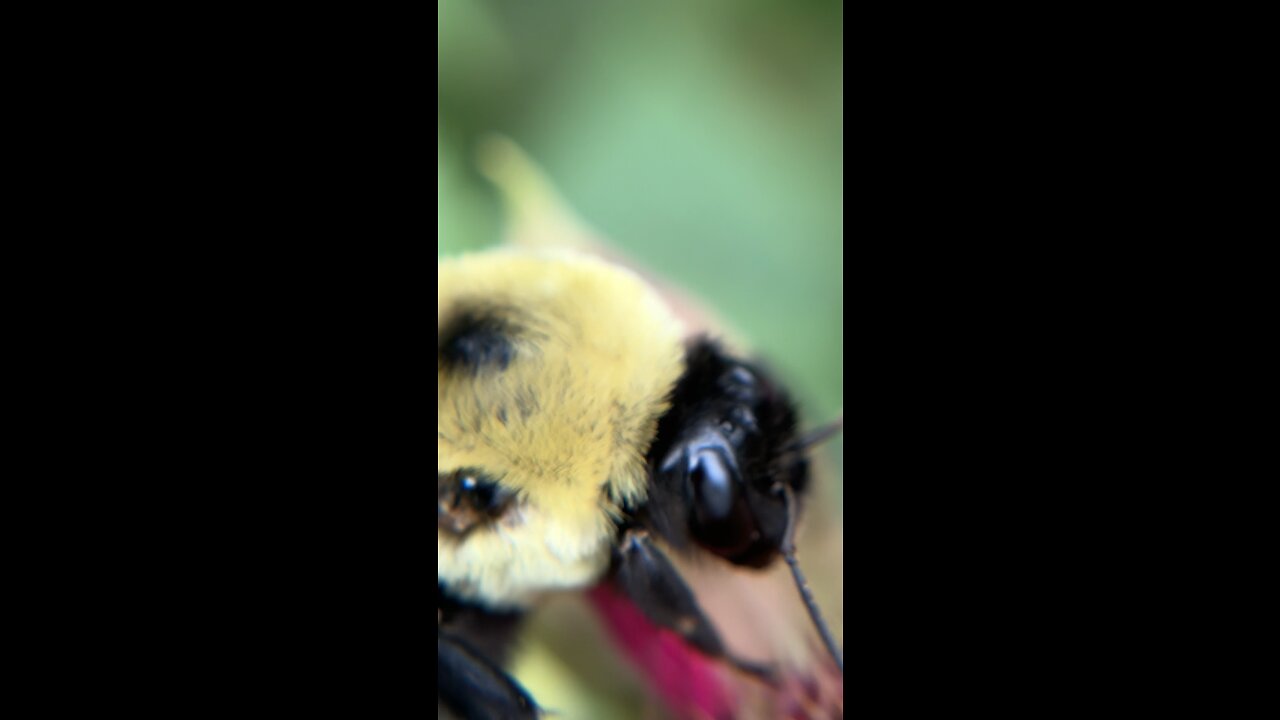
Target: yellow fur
<point x="596" y="357"/>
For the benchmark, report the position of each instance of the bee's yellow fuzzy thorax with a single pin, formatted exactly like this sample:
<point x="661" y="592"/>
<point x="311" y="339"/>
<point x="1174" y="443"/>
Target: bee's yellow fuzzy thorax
<point x="566" y="424"/>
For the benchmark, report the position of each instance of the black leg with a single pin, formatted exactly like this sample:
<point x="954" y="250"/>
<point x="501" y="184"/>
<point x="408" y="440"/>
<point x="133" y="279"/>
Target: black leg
<point x="475" y="689"/>
<point x="490" y="633"/>
<point x="472" y="643"/>
<point x="645" y="575"/>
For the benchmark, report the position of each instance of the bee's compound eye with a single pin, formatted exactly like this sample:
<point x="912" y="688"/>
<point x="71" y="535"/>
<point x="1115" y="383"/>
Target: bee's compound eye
<point x="741" y="385"/>
<point x="713" y="483"/>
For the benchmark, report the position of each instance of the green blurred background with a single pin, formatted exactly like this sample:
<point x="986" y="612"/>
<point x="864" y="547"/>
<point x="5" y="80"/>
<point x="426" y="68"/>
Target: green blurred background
<point x="702" y="137"/>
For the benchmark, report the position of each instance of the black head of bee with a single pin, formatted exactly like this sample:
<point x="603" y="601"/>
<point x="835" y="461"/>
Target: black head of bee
<point x="721" y="454"/>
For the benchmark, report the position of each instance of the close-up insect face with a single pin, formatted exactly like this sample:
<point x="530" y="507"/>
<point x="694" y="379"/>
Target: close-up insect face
<point x="585" y="438"/>
<point x="640" y="361"/>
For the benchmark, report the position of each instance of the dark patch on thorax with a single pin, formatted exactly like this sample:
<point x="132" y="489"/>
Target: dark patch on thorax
<point x="475" y="339"/>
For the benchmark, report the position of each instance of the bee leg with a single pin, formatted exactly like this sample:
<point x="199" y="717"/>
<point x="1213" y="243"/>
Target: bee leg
<point x="471" y="686"/>
<point x="649" y="579"/>
<point x="473" y="641"/>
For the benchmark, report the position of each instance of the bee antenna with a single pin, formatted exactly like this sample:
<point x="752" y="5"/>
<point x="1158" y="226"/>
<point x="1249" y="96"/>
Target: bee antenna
<point x="819" y="435"/>
<point x="789" y="554"/>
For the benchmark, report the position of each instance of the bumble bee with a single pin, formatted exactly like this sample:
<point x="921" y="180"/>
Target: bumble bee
<point x="580" y="431"/>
